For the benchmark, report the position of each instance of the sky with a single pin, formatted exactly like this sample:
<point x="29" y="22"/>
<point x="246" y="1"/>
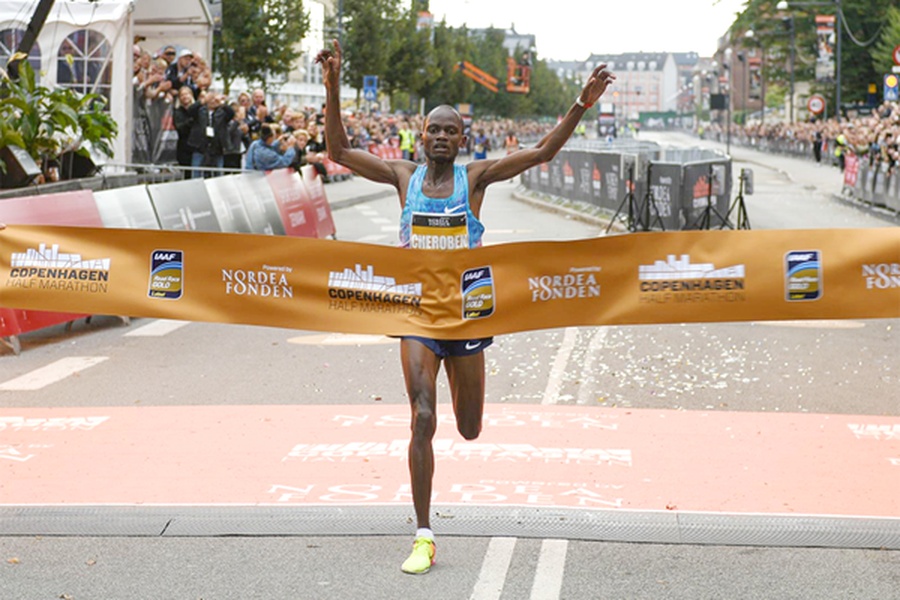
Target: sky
<point x="574" y="29"/>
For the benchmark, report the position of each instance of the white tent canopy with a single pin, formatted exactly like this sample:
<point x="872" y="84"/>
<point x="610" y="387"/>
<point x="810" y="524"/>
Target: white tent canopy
<point x="98" y="35"/>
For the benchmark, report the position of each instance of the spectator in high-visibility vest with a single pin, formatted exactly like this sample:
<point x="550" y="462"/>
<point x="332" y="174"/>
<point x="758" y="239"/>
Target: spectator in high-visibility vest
<point x="407" y="141"/>
<point x="840" y="148"/>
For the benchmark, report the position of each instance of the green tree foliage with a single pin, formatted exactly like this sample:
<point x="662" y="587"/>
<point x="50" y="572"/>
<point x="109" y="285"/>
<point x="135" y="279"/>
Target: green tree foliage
<point x="451" y="45"/>
<point x="412" y="63"/>
<point x="370" y="34"/>
<point x="259" y="38"/>
<point x="863" y="20"/>
<point x="883" y="50"/>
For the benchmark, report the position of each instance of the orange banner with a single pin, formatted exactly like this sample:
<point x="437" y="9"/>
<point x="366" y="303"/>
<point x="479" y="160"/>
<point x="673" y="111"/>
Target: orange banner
<point x="326" y="285"/>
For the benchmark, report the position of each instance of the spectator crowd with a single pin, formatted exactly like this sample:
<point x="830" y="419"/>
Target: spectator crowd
<point x="873" y="138"/>
<point x="212" y="131"/>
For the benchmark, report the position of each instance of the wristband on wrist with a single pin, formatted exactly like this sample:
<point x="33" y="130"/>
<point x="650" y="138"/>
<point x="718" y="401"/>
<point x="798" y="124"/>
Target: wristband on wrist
<point x="582" y="104"/>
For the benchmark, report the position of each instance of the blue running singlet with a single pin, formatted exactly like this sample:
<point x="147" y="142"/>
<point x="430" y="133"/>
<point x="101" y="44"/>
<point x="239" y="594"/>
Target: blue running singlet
<point x="439" y="223"/>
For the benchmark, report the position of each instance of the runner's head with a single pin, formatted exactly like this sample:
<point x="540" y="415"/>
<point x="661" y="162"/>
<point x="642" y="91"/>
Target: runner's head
<point x="443" y="134"/>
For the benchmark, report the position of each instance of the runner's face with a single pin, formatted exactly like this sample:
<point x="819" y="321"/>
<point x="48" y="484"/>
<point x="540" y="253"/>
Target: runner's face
<point x="443" y="136"/>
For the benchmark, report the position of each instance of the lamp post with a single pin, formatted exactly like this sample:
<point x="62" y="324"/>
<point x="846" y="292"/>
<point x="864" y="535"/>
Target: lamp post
<point x="789" y="23"/>
<point x="726" y="64"/>
<point x="784" y="5"/>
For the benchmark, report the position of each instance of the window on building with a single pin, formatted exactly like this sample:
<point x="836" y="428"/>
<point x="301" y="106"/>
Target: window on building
<point x="9" y="43"/>
<point x="84" y="63"/>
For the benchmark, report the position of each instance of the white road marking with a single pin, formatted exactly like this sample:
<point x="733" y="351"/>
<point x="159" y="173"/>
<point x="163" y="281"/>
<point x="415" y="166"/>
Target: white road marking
<point x="587" y="388"/>
<point x="381" y="220"/>
<point x="390" y="228"/>
<point x="342" y="339"/>
<point x="375" y="237"/>
<point x="157" y="328"/>
<point x="554" y="380"/>
<point x="548" y="577"/>
<point x="489" y="585"/>
<point x="55" y="371"/>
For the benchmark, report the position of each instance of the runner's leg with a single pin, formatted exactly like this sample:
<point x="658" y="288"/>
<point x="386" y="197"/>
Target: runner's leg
<point x="420" y="368"/>
<point x="466" y="376"/>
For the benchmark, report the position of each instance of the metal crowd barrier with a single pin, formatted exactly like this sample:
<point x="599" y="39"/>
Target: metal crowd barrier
<point x="872" y="184"/>
<point x="646" y="186"/>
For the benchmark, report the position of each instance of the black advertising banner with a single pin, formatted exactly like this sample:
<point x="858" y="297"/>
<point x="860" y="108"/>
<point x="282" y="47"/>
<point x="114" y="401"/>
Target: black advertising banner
<point x="665" y="188"/>
<point x="607" y="186"/>
<point x="184" y="206"/>
<point x="584" y="167"/>
<point x="556" y="177"/>
<point x="566" y="160"/>
<point x="705" y="194"/>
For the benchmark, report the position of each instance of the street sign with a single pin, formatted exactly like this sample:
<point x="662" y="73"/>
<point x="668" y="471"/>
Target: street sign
<point x="370" y="87"/>
<point x="816" y="104"/>
<point x="891" y="88"/>
<point x="896" y="55"/>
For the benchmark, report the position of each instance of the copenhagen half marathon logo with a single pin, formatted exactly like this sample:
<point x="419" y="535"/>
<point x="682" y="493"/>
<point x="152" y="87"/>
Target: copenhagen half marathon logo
<point x="676" y="279"/>
<point x="579" y="282"/>
<point x="359" y="289"/>
<point x="49" y="269"/>
<point x="268" y="281"/>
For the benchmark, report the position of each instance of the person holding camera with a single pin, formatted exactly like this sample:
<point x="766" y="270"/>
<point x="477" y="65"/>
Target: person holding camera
<point x="271" y="150"/>
<point x="179" y="72"/>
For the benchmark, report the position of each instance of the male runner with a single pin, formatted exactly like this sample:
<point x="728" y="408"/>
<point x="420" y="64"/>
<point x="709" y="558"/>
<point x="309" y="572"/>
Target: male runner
<point x="440" y="186"/>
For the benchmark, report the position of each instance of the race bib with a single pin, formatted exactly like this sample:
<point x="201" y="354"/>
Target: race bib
<point x="436" y="231"/>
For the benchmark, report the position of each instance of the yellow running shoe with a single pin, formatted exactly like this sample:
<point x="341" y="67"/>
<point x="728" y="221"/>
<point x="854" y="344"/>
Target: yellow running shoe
<point x="422" y="557"/>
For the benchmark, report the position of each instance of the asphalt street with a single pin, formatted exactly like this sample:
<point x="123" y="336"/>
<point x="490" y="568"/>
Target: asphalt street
<point x="817" y="367"/>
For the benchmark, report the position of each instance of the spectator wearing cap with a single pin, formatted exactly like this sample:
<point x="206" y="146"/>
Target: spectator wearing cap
<point x="179" y="72"/>
<point x="168" y="54"/>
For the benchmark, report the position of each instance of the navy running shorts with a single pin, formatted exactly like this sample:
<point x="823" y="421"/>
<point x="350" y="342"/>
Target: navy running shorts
<point x="445" y="348"/>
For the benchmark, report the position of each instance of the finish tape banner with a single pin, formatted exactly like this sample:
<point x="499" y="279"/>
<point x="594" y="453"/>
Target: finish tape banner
<point x="326" y="285"/>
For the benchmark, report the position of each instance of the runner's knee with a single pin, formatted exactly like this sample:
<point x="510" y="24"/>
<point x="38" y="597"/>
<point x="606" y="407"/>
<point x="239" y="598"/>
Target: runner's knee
<point x="424" y="421"/>
<point x="470" y="430"/>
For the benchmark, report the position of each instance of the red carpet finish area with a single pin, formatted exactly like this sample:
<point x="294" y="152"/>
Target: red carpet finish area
<point x="834" y="477"/>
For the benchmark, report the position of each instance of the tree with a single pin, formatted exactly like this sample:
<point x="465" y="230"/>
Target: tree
<point x="259" y="38"/>
<point x="368" y="39"/>
<point x="451" y="45"/>
<point x="412" y="62"/>
<point x="883" y="50"/>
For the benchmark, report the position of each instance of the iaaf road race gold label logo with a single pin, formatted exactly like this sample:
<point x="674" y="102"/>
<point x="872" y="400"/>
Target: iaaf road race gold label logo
<point x="676" y="279"/>
<point x="46" y="268"/>
<point x="360" y="289"/>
